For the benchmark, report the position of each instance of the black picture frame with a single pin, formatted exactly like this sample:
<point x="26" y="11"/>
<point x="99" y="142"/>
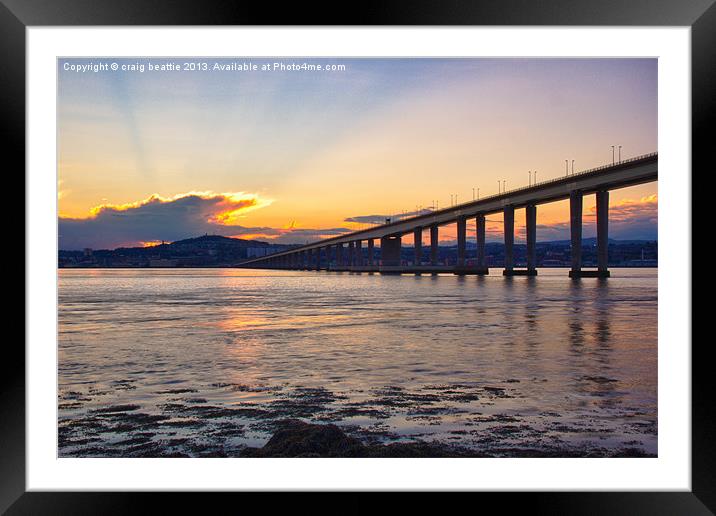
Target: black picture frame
<point x="17" y="15"/>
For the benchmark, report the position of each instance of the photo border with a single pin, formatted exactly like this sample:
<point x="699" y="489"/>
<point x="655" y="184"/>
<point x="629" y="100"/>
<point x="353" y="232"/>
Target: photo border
<point x="16" y="15"/>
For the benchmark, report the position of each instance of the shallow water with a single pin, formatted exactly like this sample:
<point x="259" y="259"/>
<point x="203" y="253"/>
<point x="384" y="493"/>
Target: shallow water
<point x="203" y="362"/>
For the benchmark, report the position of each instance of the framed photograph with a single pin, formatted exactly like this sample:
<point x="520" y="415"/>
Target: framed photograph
<point x="417" y="250"/>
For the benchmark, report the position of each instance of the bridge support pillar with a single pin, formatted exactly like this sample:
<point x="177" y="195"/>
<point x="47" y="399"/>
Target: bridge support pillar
<point x="339" y="255"/>
<point x="351" y="254"/>
<point x="434" y="245"/>
<point x="575" y="229"/>
<point x="603" y="233"/>
<point x="359" y="253"/>
<point x="418" y="245"/>
<point x="370" y="252"/>
<point x="461" y="240"/>
<point x="390" y="250"/>
<point x="317" y="253"/>
<point x="509" y="230"/>
<point x="480" y="237"/>
<point x="531" y="222"/>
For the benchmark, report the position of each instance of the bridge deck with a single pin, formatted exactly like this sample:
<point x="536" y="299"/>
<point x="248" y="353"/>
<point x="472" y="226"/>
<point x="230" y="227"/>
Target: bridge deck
<point x="639" y="170"/>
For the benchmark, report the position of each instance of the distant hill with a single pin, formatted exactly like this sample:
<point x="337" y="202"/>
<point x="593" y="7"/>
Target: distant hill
<point x="203" y="242"/>
<point x="221" y="240"/>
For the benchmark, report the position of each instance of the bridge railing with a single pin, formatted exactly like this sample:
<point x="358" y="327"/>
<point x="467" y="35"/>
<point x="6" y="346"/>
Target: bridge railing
<point x="540" y="183"/>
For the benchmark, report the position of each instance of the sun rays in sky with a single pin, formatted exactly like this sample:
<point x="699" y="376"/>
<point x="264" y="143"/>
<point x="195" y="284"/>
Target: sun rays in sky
<point x="295" y="156"/>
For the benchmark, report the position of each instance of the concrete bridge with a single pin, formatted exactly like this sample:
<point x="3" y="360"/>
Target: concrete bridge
<point x="345" y="253"/>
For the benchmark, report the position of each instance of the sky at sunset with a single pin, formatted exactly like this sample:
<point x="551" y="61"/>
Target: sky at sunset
<point x="291" y="156"/>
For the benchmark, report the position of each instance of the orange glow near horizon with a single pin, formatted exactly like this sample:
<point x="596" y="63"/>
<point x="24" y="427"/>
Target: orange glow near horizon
<point x="231" y="208"/>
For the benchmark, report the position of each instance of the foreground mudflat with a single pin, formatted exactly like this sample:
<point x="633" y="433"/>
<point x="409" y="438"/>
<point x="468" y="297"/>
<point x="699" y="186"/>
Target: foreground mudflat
<point x="437" y="420"/>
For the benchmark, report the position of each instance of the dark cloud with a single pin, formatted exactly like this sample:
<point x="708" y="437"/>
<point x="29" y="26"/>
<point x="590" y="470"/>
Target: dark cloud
<point x="183" y="216"/>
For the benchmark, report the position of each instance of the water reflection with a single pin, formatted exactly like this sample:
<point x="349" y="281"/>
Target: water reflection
<point x="423" y="357"/>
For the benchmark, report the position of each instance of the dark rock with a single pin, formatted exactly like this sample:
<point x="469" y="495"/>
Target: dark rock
<point x="298" y="439"/>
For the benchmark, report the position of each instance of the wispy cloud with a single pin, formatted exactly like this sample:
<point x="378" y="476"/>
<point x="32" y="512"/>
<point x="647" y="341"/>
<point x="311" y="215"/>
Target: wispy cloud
<point x="628" y="209"/>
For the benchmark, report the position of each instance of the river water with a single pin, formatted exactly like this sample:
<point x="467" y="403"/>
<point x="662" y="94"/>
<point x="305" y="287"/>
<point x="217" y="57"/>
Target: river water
<point x="204" y="362"/>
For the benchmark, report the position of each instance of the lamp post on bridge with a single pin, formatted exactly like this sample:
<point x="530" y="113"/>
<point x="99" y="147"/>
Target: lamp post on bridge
<point x="572" y="167"/>
<point x="620" y="154"/>
<point x="612" y="154"/>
